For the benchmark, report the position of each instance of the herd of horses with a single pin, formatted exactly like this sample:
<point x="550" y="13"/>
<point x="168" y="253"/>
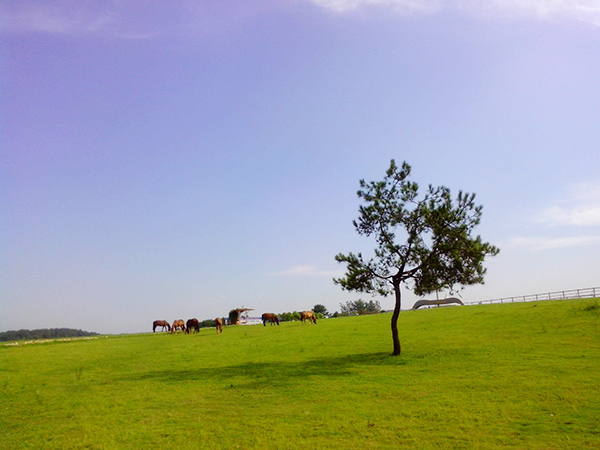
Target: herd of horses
<point x="193" y="326"/>
<point x="305" y="316"/>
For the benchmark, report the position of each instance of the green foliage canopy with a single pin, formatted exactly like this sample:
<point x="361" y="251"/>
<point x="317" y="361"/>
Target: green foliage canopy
<point x="426" y="243"/>
<point x="321" y="309"/>
<point x="360" y="307"/>
<point x="289" y="316"/>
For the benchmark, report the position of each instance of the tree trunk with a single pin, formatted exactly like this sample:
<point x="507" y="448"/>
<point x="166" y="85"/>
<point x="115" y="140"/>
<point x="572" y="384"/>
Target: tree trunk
<point x="395" y="337"/>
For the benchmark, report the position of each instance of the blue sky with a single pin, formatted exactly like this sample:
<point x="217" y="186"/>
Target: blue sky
<point x="166" y="160"/>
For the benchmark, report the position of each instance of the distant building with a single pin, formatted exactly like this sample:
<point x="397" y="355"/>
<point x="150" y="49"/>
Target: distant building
<point x="251" y="321"/>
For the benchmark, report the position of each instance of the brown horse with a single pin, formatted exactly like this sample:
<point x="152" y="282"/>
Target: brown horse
<point x="192" y="325"/>
<point x="178" y="325"/>
<point x="160" y="323"/>
<point x="219" y="325"/>
<point x="308" y="315"/>
<point x="270" y="317"/>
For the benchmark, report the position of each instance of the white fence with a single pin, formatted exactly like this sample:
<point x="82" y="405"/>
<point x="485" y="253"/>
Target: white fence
<point x="558" y="295"/>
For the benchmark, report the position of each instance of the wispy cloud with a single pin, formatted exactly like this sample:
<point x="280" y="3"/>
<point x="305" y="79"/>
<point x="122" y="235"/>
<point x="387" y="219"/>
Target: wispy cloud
<point x="580" y="207"/>
<point x="55" y="18"/>
<point x="541" y="244"/>
<point x="583" y="10"/>
<point x="576" y="215"/>
<point x="308" y="271"/>
<point x="127" y="19"/>
<point x="402" y="6"/>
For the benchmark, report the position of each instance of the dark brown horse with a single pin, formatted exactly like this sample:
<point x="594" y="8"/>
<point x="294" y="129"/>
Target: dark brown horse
<point x="219" y="325"/>
<point x="270" y="317"/>
<point x="192" y="325"/>
<point x="308" y="315"/>
<point x="178" y="325"/>
<point x="160" y="323"/>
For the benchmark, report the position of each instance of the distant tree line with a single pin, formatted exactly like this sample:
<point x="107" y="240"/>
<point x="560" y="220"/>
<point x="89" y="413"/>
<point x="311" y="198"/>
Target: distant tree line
<point x="46" y="333"/>
<point x="359" y="308"/>
<point x="295" y="315"/>
<point x="352" y="308"/>
<point x="209" y="323"/>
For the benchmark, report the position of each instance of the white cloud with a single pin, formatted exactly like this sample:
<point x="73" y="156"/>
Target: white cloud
<point x="587" y="10"/>
<point x="308" y="271"/>
<point x="583" y="10"/>
<point x="126" y="19"/>
<point x="56" y="18"/>
<point x="406" y="6"/>
<point x="577" y="216"/>
<point x="541" y="244"/>
<point x="581" y="207"/>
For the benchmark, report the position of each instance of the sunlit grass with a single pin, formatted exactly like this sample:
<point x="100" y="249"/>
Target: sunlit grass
<point x="495" y="376"/>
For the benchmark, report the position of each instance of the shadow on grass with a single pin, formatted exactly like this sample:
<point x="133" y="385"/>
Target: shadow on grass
<point x="279" y="373"/>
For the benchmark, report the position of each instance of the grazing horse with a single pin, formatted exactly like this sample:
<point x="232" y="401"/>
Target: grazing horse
<point x="178" y="325"/>
<point x="270" y="317"/>
<point x="192" y="324"/>
<point x="308" y="315"/>
<point x="160" y="323"/>
<point x="219" y="325"/>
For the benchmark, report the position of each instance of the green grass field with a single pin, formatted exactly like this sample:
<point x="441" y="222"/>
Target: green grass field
<point x="523" y="376"/>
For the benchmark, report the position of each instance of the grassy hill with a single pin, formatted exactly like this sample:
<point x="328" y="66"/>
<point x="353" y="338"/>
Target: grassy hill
<point x="520" y="376"/>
